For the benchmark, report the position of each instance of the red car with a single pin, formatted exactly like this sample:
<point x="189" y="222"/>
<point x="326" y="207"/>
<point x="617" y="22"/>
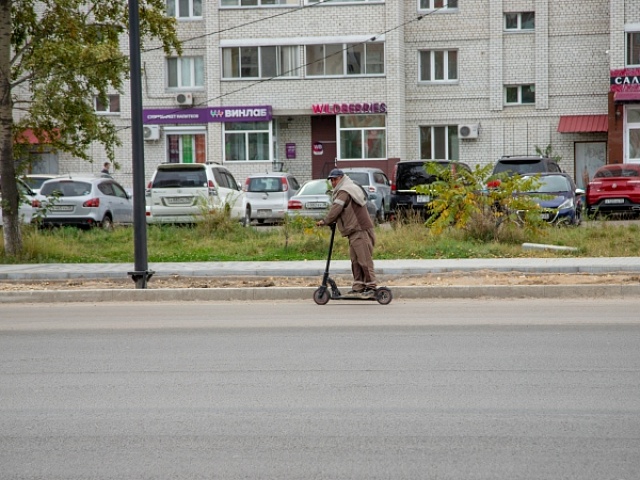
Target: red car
<point x="614" y="189"/>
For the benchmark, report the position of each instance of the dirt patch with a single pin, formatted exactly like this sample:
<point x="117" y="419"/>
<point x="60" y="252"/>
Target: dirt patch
<point x="441" y="279"/>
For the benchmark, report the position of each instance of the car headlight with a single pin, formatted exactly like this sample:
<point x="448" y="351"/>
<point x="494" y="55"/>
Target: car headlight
<point x="568" y="203"/>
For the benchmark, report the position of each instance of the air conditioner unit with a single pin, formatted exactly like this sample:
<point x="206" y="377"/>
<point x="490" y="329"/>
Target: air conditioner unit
<point x="468" y="131"/>
<point x="151" y="132"/>
<point x="184" y="98"/>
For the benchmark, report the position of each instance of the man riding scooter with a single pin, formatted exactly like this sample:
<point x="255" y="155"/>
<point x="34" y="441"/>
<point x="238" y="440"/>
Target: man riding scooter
<point x="348" y="210"/>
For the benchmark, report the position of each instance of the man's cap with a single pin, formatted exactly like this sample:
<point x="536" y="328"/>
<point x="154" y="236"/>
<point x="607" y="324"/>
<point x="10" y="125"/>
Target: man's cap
<point x="336" y="172"/>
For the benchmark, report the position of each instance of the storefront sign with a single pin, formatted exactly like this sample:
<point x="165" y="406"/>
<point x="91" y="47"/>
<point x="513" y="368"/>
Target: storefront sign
<point x="206" y="115"/>
<point x="291" y="150"/>
<point x="625" y="80"/>
<point x="317" y="148"/>
<point x="347" y="108"/>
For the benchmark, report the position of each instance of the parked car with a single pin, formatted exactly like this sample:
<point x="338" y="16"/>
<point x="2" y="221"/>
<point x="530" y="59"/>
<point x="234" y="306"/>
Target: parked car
<point x="35" y="180"/>
<point x="375" y="181"/>
<point x="614" y="189"/>
<point x="268" y="195"/>
<point x="83" y="201"/>
<point x="314" y="198"/>
<point x="525" y="164"/>
<point x="561" y="202"/>
<point x="25" y="210"/>
<point x="185" y="192"/>
<point x="407" y="175"/>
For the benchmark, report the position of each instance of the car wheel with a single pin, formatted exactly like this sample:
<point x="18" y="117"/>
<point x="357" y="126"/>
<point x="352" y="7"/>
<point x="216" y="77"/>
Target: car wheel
<point x="246" y="219"/>
<point x="107" y="223"/>
<point x="380" y="215"/>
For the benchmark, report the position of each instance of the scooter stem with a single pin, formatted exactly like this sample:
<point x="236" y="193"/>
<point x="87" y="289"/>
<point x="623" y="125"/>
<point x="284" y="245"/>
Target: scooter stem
<point x="325" y="277"/>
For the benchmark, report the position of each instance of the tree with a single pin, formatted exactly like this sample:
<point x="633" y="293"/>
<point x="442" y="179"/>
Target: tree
<point x="55" y="57"/>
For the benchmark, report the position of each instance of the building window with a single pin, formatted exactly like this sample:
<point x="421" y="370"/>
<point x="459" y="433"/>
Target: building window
<point x="515" y="22"/>
<point x="339" y="59"/>
<point x="260" y="62"/>
<point x="438" y="65"/>
<point x="520" y="94"/>
<point x="437" y="4"/>
<point x="256" y="3"/>
<point x="247" y="141"/>
<point x="439" y="143"/>
<point x="333" y="2"/>
<point x="633" y="49"/>
<point x="185" y="72"/>
<point x="186" y="148"/>
<point x="362" y="137"/>
<point x="112" y="105"/>
<point x="184" y="8"/>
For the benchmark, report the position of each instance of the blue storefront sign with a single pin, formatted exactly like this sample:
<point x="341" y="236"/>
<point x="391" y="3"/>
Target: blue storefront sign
<point x="207" y="114"/>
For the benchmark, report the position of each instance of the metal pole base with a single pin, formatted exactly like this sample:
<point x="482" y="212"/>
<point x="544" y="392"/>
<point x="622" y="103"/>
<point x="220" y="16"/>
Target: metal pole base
<point x="141" y="278"/>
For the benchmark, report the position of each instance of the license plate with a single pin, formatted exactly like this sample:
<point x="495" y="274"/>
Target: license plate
<point x="614" y="200"/>
<point x="264" y="212"/>
<point x="316" y="205"/>
<point x="544" y="216"/>
<point x="178" y="200"/>
<point x="62" y="208"/>
<point x="423" y="199"/>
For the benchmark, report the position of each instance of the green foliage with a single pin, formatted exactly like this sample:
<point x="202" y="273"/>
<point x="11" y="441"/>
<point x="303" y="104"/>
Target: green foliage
<point x="486" y="207"/>
<point x="548" y="152"/>
<point x="170" y="243"/>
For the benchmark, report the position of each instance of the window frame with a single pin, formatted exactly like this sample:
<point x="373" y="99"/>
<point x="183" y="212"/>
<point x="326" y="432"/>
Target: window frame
<point x="193" y="72"/>
<point x="225" y="4"/>
<point x="348" y="52"/>
<point x="365" y="131"/>
<point x="230" y="55"/>
<point x="451" y="146"/>
<point x="446" y="64"/>
<point x="519" y="22"/>
<point x="198" y="146"/>
<point x="247" y="133"/>
<point x="519" y="94"/>
<point x="433" y="6"/>
<point x="114" y="99"/>
<point x="176" y="7"/>
<point x="632" y="47"/>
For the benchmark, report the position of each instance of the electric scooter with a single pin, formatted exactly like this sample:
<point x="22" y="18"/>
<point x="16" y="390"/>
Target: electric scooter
<point x="330" y="291"/>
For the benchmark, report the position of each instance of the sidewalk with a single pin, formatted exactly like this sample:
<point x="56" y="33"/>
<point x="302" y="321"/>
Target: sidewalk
<point x="313" y="268"/>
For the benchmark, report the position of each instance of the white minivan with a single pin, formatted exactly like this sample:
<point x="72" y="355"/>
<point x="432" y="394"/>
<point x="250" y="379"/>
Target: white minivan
<point x="185" y="192"/>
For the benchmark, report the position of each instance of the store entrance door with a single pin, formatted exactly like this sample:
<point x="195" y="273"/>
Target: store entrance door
<point x="324" y="149"/>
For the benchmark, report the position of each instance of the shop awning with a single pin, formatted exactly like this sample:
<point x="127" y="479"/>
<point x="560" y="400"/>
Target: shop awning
<point x="583" y="123"/>
<point x="27" y="136"/>
<point x="626" y="96"/>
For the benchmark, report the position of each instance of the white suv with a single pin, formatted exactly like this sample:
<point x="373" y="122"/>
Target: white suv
<point x="184" y="192"/>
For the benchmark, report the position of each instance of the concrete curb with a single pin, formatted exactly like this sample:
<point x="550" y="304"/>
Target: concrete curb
<point x="306" y="293"/>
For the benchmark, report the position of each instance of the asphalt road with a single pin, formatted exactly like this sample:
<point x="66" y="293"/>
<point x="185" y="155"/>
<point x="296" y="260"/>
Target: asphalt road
<point x="469" y="389"/>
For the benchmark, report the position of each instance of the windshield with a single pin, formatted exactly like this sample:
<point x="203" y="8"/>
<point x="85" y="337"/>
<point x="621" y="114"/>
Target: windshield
<point x="265" y="184"/>
<point x="521" y="166"/>
<point x="615" y="171"/>
<point x="180" y="178"/>
<point x="319" y="187"/>
<point x="66" y="188"/>
<point x="552" y="184"/>
<point x="359" y="177"/>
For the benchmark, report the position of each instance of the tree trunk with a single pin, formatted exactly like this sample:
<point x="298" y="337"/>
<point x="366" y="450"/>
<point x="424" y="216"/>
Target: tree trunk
<point x="8" y="186"/>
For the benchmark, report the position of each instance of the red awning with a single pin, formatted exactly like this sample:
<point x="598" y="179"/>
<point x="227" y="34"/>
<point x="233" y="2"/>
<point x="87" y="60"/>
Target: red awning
<point x="583" y="123"/>
<point x="626" y="96"/>
<point x="27" y="136"/>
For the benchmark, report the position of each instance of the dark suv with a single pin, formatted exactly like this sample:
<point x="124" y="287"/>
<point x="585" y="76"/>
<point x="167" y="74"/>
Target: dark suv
<point x="524" y="165"/>
<point x="408" y="174"/>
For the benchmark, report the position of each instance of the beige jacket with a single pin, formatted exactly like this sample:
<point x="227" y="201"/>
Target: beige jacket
<point x="348" y="208"/>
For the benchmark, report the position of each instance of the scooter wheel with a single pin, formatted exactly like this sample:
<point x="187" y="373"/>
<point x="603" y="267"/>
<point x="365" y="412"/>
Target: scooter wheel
<point x="321" y="296"/>
<point x="384" y="296"/>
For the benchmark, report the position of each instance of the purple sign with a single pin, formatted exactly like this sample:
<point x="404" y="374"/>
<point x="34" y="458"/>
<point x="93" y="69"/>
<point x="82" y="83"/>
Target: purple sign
<point x="207" y="114"/>
<point x="291" y="150"/>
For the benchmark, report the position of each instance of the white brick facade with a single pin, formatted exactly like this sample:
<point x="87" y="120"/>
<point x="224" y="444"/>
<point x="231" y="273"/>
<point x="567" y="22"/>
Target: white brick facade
<point x="565" y="57"/>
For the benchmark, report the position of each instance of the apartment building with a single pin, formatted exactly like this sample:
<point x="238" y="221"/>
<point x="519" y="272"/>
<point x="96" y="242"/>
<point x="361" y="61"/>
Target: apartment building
<point x="305" y="85"/>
